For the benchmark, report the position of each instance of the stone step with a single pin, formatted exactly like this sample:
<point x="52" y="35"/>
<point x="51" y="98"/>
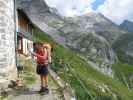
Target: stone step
<point x="3" y="83"/>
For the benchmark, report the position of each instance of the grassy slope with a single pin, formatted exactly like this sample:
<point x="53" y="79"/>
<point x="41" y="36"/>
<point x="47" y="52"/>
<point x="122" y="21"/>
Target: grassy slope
<point x="83" y="79"/>
<point x="123" y="72"/>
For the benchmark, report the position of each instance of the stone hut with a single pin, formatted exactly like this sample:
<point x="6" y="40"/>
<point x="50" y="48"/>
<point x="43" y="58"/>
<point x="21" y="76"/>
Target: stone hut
<point x="8" y="69"/>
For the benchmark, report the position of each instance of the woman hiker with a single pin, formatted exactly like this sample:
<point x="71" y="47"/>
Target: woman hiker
<point x="41" y="55"/>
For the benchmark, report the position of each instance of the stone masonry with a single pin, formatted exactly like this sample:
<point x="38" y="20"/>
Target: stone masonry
<point x="7" y="44"/>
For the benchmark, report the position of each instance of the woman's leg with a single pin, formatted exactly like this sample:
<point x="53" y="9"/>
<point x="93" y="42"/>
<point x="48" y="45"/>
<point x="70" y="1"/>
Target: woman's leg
<point x="42" y="83"/>
<point x="45" y="78"/>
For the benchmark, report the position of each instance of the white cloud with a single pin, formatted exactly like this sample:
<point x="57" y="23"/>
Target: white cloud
<point x="118" y="10"/>
<point x="71" y="7"/>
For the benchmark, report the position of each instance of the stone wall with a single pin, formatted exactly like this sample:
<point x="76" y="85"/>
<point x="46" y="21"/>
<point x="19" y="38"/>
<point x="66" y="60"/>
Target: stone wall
<point x="7" y="44"/>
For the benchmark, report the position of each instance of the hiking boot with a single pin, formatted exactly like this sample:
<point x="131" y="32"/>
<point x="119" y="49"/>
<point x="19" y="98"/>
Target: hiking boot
<point x="41" y="90"/>
<point x="46" y="90"/>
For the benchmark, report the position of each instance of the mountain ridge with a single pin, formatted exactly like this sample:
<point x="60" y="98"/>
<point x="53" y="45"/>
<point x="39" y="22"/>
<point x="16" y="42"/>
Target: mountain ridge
<point x="127" y="26"/>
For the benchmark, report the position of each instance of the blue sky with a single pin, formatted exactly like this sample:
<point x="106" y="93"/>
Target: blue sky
<point x="97" y="3"/>
<point x="115" y="10"/>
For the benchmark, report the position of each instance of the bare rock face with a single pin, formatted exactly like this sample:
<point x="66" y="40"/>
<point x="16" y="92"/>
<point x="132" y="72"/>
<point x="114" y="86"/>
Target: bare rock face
<point x="7" y="44"/>
<point x="91" y="35"/>
<point x="98" y="23"/>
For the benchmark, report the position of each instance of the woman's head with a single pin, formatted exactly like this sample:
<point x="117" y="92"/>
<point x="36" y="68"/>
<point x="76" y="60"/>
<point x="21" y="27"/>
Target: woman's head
<point x="39" y="46"/>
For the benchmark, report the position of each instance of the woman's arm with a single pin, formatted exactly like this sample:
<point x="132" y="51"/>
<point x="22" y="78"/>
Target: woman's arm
<point x="42" y="57"/>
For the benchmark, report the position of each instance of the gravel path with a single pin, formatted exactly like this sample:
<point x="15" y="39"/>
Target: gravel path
<point x="32" y="93"/>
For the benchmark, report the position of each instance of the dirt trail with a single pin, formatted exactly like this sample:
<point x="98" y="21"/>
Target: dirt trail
<point x="32" y="93"/>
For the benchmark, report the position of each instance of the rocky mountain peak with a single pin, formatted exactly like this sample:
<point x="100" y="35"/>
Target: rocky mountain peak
<point x="127" y="25"/>
<point x="127" y="22"/>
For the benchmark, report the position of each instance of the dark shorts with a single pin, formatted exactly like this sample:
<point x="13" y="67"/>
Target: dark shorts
<point x="42" y="69"/>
